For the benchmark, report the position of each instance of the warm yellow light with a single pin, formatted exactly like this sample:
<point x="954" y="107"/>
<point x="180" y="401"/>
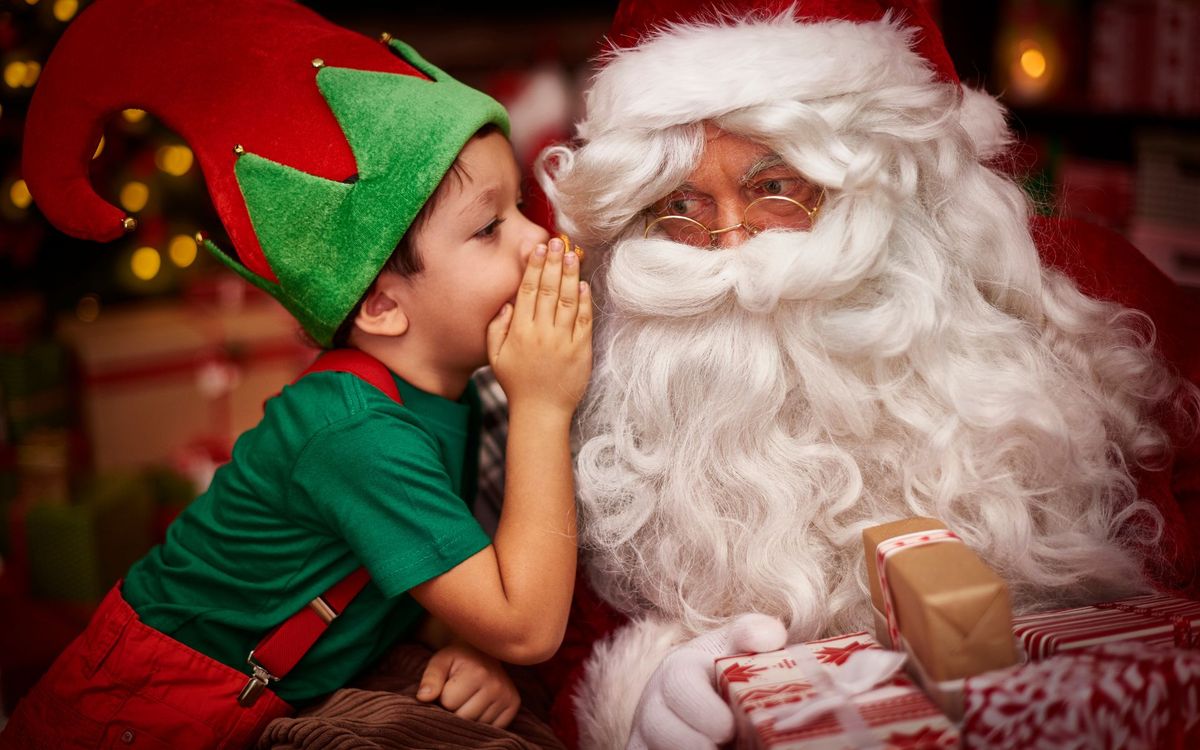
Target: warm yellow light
<point x="88" y="308"/>
<point x="99" y="148"/>
<point x="1033" y="62"/>
<point x="145" y="263"/>
<point x="182" y="251"/>
<point x="134" y="196"/>
<point x="14" y="74"/>
<point x="174" y="160"/>
<point x="32" y="71"/>
<point x="31" y="2"/>
<point x="133" y="115"/>
<point x="19" y="193"/>
<point x="65" y="10"/>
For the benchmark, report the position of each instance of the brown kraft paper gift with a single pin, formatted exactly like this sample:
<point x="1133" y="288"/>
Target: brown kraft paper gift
<point x="953" y="612"/>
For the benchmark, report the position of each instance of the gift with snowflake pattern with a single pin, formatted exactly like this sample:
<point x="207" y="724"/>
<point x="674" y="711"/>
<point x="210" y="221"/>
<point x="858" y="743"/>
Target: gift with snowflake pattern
<point x="834" y="693"/>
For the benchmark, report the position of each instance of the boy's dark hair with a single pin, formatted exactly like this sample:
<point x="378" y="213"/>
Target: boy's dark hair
<point x="406" y="259"/>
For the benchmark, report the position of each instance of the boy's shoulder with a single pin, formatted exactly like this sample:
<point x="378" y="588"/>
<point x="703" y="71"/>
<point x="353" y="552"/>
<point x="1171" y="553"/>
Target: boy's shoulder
<point x="324" y="399"/>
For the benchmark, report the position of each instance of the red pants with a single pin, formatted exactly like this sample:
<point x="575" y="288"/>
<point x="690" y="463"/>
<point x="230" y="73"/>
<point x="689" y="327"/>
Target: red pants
<point x="122" y="684"/>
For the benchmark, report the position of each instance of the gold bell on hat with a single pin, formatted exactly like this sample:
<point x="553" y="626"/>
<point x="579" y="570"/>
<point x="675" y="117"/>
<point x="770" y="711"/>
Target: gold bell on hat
<point x="569" y="248"/>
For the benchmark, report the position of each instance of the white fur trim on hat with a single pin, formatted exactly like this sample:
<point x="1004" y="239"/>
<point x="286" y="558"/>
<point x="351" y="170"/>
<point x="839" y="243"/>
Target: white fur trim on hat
<point x="685" y="73"/>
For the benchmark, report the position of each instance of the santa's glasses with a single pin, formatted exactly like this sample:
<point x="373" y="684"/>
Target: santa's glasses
<point x="761" y="214"/>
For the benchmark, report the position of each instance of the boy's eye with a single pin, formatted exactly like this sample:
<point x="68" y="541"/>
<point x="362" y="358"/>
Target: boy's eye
<point x="490" y="229"/>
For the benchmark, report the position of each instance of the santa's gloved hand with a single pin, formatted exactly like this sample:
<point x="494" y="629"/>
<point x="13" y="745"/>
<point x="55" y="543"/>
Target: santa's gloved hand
<point x="680" y="706"/>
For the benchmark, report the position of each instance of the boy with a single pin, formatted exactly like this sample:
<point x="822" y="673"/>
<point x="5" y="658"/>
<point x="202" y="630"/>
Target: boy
<point x="378" y="200"/>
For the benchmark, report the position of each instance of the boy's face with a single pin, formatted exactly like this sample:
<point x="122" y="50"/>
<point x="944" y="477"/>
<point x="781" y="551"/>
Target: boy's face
<point x="474" y="246"/>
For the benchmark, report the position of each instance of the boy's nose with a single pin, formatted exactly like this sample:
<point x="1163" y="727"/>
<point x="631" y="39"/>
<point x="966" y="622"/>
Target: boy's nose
<point x="535" y="235"/>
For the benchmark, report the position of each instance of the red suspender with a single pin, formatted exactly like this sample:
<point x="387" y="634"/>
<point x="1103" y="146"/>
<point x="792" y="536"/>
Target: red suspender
<point x="284" y="647"/>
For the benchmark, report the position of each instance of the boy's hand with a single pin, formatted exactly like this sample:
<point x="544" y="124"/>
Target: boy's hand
<point x="541" y="347"/>
<point x="471" y="684"/>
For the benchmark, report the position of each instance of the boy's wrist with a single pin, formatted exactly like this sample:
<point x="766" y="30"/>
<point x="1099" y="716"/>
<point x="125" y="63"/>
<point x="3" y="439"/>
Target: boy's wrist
<point x="547" y="412"/>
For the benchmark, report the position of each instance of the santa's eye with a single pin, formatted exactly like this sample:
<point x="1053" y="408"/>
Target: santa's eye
<point x="789" y="187"/>
<point x="682" y="205"/>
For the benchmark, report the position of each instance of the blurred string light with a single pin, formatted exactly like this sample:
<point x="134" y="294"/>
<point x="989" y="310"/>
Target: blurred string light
<point x="174" y="159"/>
<point x="145" y="263"/>
<point x="134" y="196"/>
<point x="99" y="148"/>
<point x="133" y="115"/>
<point x="182" y="250"/>
<point x="1032" y="63"/>
<point x="18" y="193"/>
<point x="22" y="73"/>
<point x="65" y="10"/>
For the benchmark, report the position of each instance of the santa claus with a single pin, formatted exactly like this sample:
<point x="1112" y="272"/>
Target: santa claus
<point x="825" y="306"/>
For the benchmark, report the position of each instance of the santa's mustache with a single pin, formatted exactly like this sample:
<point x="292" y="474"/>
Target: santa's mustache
<point x="661" y="278"/>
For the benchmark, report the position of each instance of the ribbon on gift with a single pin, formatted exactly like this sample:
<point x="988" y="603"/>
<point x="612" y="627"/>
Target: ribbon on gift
<point x="836" y="689"/>
<point x="893" y="546"/>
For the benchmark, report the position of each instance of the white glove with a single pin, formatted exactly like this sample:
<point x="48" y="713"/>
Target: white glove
<point x="680" y="707"/>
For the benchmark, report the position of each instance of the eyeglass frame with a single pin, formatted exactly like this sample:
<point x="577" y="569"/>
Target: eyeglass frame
<point x="712" y="233"/>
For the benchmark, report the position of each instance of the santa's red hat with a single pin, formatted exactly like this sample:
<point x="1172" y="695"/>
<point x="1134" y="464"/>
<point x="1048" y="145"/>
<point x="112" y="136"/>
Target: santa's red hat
<point x="672" y="62"/>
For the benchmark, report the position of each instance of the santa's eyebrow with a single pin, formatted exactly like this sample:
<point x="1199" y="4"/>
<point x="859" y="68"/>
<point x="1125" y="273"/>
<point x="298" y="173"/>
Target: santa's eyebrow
<point x="762" y="165"/>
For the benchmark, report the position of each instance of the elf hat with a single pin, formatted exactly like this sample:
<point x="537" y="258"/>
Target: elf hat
<point x="672" y="62"/>
<point x="319" y="146"/>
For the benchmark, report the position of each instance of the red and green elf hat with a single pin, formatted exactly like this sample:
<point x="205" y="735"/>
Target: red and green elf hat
<point x="319" y="145"/>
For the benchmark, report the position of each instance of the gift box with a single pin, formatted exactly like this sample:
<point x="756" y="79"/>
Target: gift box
<point x="1117" y="695"/>
<point x="77" y="551"/>
<point x="158" y="377"/>
<point x="832" y="693"/>
<point x="1152" y="620"/>
<point x="34" y="389"/>
<point x="937" y="601"/>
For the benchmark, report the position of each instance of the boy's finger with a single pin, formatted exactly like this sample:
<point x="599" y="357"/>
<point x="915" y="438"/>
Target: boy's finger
<point x="507" y="715"/>
<point x="458" y="691"/>
<point x="497" y="332"/>
<point x="434" y="678"/>
<point x="474" y="707"/>
<point x="528" y="291"/>
<point x="583" y="317"/>
<point x="490" y="712"/>
<point x="547" y="296"/>
<point x="568" y="293"/>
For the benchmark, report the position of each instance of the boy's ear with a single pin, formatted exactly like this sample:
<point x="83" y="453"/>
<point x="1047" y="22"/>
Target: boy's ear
<point x="381" y="313"/>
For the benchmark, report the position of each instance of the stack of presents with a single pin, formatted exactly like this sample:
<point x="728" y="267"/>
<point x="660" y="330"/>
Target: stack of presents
<point x="109" y="426"/>
<point x="949" y="666"/>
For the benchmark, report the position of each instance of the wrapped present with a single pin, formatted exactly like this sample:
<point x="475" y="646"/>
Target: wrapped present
<point x="76" y="552"/>
<point x="157" y="377"/>
<point x="936" y="600"/>
<point x="1118" y="696"/>
<point x="1153" y="619"/>
<point x="833" y="693"/>
<point x="34" y="388"/>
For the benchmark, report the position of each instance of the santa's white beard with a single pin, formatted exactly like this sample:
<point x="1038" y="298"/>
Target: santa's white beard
<point x="754" y="409"/>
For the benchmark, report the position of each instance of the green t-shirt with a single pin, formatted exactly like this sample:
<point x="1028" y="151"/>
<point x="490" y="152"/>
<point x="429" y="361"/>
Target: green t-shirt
<point x="335" y="476"/>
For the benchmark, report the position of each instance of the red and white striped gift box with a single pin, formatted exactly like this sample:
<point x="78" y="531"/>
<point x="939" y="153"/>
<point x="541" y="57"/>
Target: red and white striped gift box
<point x="1154" y="619"/>
<point x="762" y="688"/>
